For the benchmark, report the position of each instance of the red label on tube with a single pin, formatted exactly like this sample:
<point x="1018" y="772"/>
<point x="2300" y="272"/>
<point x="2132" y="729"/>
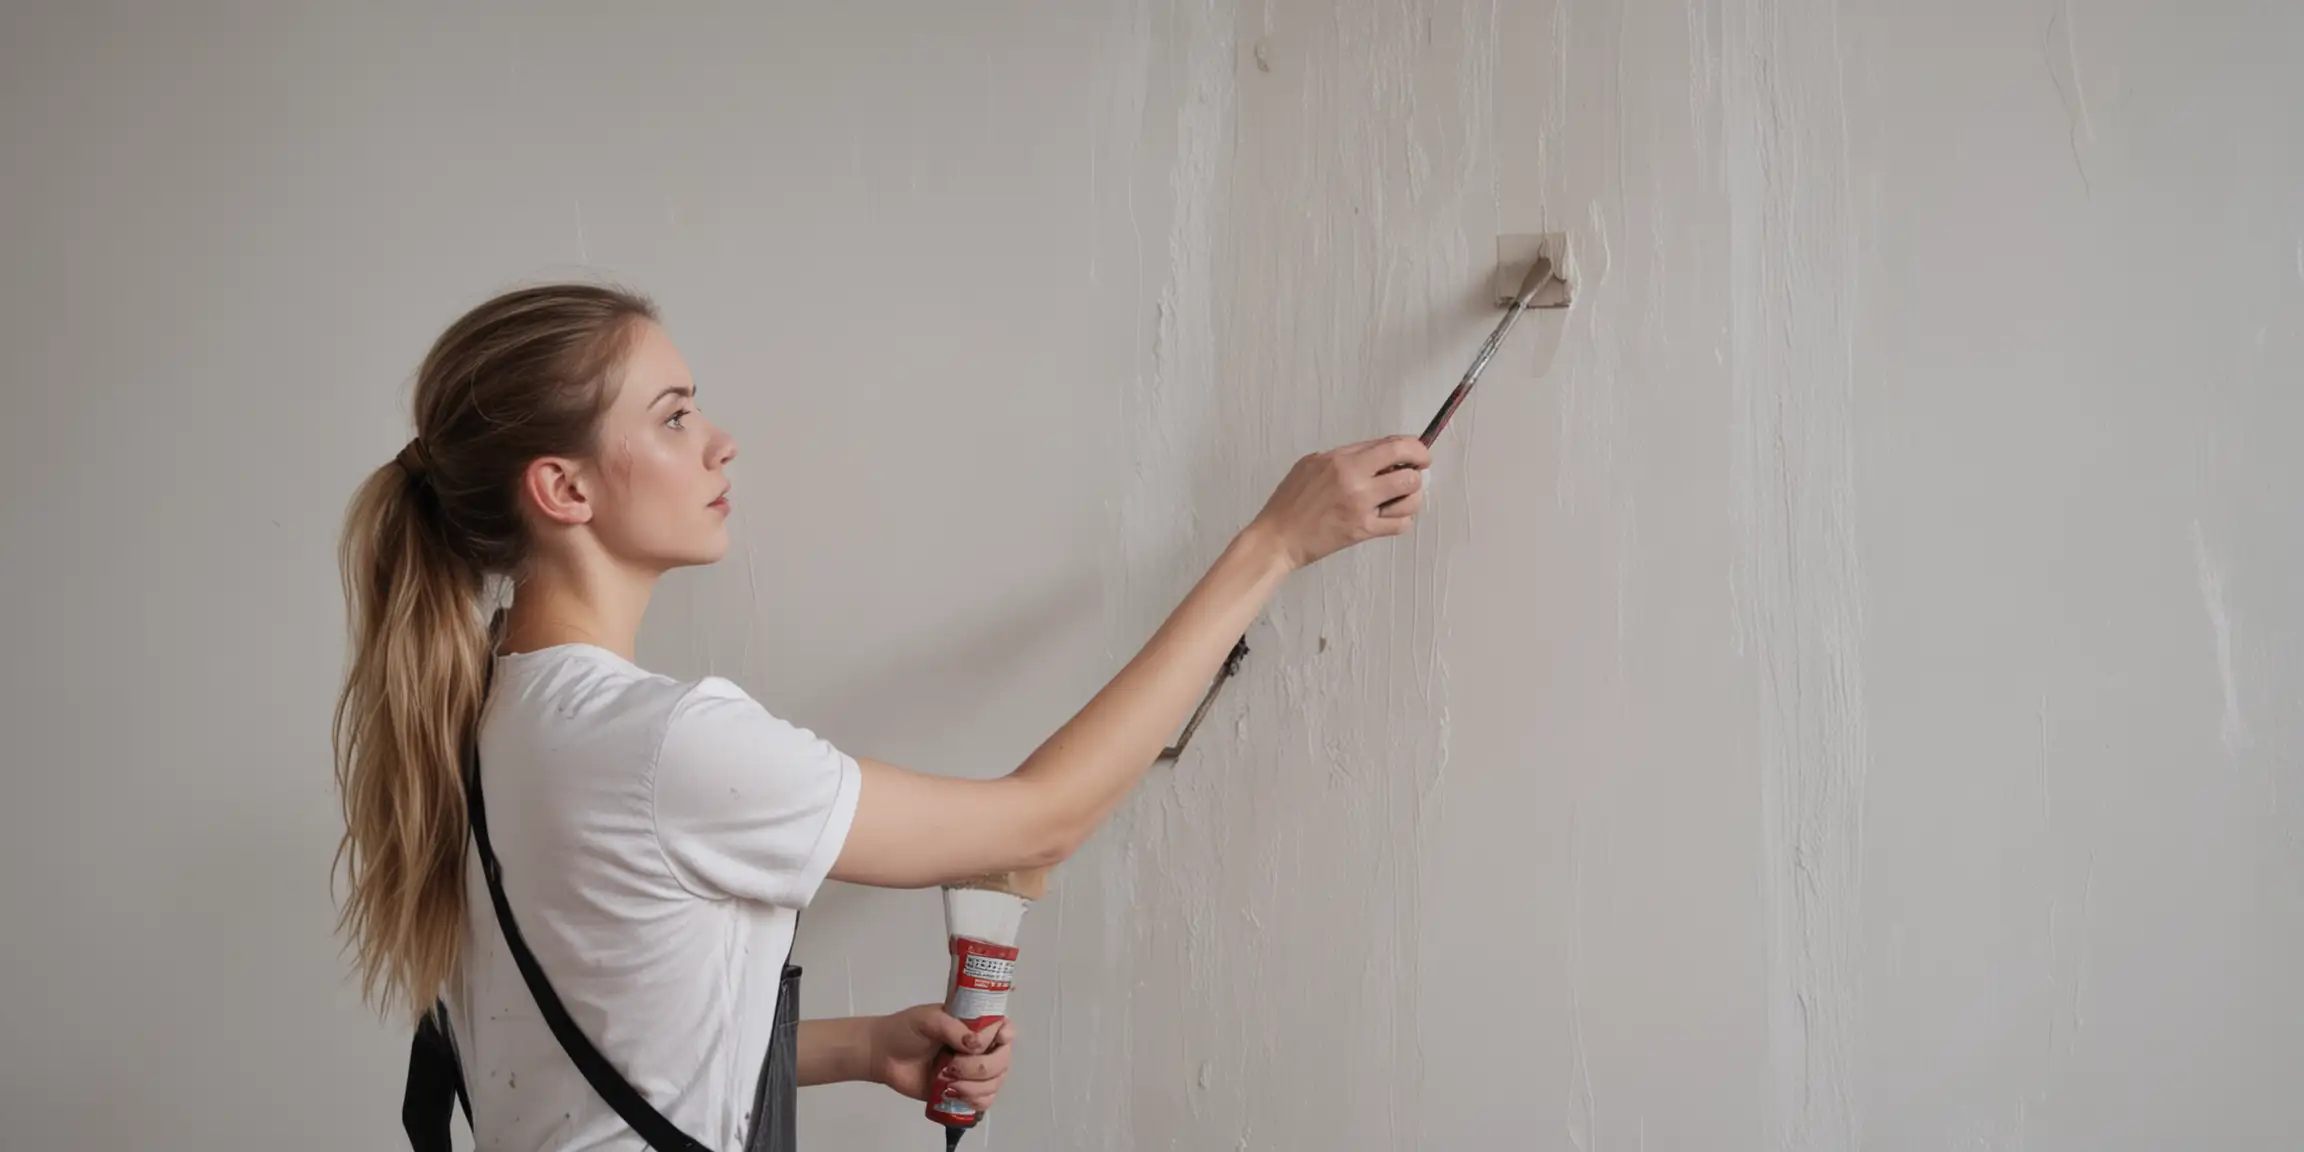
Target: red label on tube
<point x="978" y="997"/>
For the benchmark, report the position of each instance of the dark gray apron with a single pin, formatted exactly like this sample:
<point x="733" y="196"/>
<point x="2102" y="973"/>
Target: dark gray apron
<point x="436" y="1078"/>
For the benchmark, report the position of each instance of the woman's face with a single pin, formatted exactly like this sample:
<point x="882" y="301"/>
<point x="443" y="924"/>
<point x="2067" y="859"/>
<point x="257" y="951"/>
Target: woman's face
<point x="661" y="484"/>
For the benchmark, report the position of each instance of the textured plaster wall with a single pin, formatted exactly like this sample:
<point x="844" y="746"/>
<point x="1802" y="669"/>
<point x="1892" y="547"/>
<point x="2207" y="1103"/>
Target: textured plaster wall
<point x="1850" y="700"/>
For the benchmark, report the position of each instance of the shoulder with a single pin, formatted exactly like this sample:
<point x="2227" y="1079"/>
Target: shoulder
<point x="576" y="703"/>
<point x="715" y="695"/>
<point x="745" y="803"/>
<point x="715" y="720"/>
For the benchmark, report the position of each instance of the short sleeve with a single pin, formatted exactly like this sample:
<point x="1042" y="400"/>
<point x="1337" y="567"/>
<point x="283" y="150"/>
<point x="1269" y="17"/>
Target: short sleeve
<point x="747" y="805"/>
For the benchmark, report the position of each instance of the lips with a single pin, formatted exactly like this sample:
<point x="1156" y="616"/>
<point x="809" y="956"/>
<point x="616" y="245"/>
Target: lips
<point x="720" y="501"/>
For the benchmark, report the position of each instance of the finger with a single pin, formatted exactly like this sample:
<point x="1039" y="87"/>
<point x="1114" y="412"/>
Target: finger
<point x="1403" y="508"/>
<point x="946" y="1030"/>
<point x="978" y="1068"/>
<point x="1391" y="486"/>
<point x="1356" y="456"/>
<point x="1395" y="451"/>
<point x="1394" y="525"/>
<point x="1404" y="450"/>
<point x="1002" y="1036"/>
<point x="978" y="1094"/>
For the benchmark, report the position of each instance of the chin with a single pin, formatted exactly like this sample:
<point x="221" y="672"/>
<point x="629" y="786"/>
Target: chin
<point x="697" y="554"/>
<point x="709" y="555"/>
<point x="715" y="548"/>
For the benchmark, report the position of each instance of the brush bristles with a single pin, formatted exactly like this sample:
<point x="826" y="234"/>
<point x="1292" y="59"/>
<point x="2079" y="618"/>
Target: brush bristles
<point x="1539" y="274"/>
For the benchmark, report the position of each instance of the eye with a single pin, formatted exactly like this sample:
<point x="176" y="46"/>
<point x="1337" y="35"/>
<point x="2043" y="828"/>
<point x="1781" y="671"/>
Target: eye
<point x="675" y="422"/>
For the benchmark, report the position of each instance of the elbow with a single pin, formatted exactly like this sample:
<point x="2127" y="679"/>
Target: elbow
<point x="1051" y="846"/>
<point x="1052" y="839"/>
<point x="1046" y="826"/>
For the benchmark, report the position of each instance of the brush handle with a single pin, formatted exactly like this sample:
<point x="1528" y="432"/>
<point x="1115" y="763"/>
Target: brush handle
<point x="1447" y="411"/>
<point x="1539" y="275"/>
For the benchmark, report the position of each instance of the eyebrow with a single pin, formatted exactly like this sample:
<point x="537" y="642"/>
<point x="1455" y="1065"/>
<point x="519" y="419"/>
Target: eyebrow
<point x="687" y="392"/>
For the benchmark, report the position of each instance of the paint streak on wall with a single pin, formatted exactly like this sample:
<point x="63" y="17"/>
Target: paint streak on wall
<point x="2231" y="728"/>
<point x="1798" y="587"/>
<point x="1317" y="283"/>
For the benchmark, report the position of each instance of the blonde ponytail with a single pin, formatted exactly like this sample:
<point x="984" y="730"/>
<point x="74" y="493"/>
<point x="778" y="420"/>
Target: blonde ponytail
<point x="419" y="649"/>
<point x="525" y="375"/>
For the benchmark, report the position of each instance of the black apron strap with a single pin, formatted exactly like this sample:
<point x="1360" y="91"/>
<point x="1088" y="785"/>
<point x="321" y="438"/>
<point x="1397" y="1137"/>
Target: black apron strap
<point x="435" y="1074"/>
<point x="435" y="1084"/>
<point x="659" y="1133"/>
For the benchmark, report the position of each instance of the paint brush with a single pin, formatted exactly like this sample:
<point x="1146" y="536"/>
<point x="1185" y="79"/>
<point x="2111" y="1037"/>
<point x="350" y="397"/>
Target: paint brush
<point x="1540" y="273"/>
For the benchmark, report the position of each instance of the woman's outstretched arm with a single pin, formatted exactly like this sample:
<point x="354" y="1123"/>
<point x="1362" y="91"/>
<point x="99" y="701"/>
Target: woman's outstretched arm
<point x="915" y="830"/>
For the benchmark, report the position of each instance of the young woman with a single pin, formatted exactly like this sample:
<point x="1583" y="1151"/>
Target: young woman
<point x="657" y="837"/>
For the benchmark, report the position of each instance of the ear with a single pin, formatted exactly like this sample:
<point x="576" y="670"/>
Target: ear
<point x="554" y="486"/>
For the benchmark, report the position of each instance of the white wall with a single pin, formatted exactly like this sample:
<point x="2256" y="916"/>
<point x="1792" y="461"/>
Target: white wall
<point x="1851" y="700"/>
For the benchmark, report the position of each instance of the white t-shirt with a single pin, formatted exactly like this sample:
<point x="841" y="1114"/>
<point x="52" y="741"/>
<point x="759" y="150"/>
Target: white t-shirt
<point x="657" y="838"/>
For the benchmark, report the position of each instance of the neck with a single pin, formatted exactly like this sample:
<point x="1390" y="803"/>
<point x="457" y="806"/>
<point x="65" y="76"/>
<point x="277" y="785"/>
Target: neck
<point x="599" y="604"/>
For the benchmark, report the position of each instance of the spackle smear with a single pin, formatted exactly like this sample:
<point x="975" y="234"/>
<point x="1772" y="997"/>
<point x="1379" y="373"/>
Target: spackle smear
<point x="2232" y="729"/>
<point x="1799" y="592"/>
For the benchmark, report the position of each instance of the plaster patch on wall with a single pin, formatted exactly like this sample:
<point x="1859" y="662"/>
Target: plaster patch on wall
<point x="2232" y="728"/>
<point x="1798" y="590"/>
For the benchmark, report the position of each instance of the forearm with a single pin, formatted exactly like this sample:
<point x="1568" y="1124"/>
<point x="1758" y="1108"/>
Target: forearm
<point x="1079" y="774"/>
<point x="835" y="1051"/>
<point x="914" y="830"/>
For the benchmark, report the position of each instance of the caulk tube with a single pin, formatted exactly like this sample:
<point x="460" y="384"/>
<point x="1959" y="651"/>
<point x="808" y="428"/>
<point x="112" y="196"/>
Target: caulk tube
<point x="982" y="920"/>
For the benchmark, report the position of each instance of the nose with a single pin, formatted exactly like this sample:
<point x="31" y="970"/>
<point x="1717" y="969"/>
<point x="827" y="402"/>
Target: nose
<point x="723" y="448"/>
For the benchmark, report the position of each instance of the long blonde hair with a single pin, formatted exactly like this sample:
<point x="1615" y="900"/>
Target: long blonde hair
<point x="525" y="375"/>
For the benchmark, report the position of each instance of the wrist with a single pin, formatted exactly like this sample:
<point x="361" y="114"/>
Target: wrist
<point x="858" y="1050"/>
<point x="1262" y="548"/>
<point x="875" y="1063"/>
<point x="836" y="1051"/>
